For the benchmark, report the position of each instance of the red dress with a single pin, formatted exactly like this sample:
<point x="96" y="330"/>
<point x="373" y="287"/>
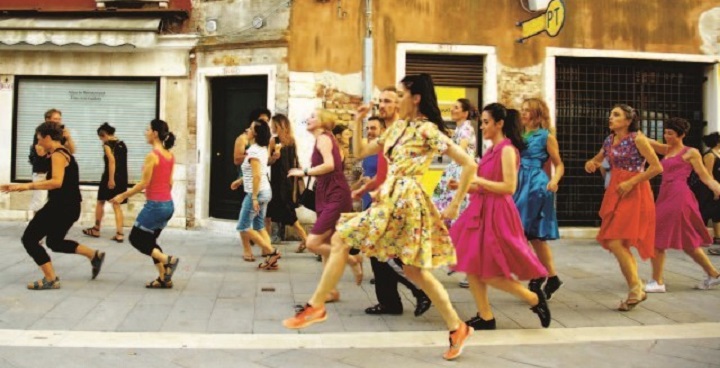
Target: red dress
<point x="632" y="217"/>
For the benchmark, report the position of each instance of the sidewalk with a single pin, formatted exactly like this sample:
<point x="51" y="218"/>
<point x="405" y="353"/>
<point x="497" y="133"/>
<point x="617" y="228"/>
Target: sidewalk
<point x="216" y="292"/>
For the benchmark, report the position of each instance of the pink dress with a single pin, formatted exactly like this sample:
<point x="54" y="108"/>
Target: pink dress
<point x="679" y="224"/>
<point x="488" y="236"/>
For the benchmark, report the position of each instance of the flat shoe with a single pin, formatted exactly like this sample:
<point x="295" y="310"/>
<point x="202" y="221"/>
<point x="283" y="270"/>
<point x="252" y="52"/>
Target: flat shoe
<point x="379" y="309"/>
<point x="630" y="303"/>
<point x="97" y="263"/>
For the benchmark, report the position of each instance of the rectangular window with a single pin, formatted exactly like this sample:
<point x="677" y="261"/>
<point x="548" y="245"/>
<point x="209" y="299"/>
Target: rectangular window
<point x="86" y="103"/>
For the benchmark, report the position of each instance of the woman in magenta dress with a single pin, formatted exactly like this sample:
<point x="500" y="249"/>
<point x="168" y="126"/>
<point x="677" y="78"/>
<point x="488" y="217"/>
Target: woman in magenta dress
<point x="491" y="245"/>
<point x="679" y="224"/>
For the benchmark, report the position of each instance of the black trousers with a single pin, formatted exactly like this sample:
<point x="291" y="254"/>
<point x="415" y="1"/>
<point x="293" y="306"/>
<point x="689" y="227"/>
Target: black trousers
<point x="52" y="222"/>
<point x="145" y="241"/>
<point x="386" y="283"/>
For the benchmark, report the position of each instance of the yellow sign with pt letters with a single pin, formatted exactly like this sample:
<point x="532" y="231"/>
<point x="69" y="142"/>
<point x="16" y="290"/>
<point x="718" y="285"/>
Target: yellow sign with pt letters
<point x="551" y="21"/>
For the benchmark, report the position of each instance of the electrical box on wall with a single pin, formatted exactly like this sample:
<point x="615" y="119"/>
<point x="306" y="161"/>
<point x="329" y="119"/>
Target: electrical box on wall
<point x="538" y="5"/>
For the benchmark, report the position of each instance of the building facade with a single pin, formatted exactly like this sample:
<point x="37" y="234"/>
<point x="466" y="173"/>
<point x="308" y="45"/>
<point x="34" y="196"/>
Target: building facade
<point x="210" y="62"/>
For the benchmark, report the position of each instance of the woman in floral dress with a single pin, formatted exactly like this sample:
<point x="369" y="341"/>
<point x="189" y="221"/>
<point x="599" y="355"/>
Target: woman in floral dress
<point x="462" y="113"/>
<point x="404" y="223"/>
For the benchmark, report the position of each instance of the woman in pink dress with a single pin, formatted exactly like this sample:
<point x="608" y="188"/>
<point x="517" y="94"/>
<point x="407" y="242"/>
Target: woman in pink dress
<point x="679" y="224"/>
<point x="489" y="237"/>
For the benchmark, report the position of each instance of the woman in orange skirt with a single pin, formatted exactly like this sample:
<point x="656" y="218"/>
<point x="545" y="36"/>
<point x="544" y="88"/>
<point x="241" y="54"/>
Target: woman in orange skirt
<point x="627" y="210"/>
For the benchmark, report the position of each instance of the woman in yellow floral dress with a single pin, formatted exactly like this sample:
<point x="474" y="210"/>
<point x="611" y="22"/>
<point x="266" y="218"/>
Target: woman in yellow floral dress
<point x="403" y="223"/>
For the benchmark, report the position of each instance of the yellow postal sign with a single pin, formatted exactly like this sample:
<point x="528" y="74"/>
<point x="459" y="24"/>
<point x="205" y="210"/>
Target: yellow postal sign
<point x="551" y="22"/>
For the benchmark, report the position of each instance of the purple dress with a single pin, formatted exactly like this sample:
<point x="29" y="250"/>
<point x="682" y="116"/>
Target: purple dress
<point x="332" y="193"/>
<point x="679" y="224"/>
<point x="489" y="236"/>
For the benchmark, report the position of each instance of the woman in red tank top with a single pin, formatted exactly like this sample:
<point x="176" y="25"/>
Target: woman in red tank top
<point x="157" y="182"/>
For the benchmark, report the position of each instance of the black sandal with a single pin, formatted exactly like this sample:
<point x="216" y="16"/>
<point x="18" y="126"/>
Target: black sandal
<point x="97" y="263"/>
<point x="45" y="284"/>
<point x="92" y="231"/>
<point x="119" y="237"/>
<point x="170" y="267"/>
<point x="159" y="284"/>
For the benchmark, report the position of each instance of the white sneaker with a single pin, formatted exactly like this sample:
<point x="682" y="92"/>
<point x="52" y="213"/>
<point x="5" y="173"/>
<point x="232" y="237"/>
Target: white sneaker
<point x="654" y="287"/>
<point x="708" y="283"/>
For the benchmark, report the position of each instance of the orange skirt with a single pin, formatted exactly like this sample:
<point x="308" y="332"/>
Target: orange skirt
<point x="631" y="218"/>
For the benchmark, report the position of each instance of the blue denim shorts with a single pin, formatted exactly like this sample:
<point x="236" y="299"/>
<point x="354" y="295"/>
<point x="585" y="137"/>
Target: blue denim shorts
<point x="248" y="217"/>
<point x="154" y="215"/>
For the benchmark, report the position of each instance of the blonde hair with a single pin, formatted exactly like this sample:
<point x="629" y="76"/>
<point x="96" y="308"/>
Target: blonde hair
<point x="327" y="119"/>
<point x="539" y="111"/>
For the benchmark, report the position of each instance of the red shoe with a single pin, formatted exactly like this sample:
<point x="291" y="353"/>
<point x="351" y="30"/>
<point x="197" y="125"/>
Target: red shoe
<point x="305" y="317"/>
<point x="457" y="341"/>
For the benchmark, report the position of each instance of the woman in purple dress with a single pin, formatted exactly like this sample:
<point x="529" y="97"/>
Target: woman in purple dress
<point x="332" y="192"/>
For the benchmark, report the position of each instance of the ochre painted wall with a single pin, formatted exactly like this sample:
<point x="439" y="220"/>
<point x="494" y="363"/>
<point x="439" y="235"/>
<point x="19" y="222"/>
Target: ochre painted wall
<point x="320" y="41"/>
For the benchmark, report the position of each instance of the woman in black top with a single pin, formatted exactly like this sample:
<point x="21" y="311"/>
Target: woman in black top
<point x="281" y="208"/>
<point x="62" y="209"/>
<point x="709" y="206"/>
<point x="114" y="181"/>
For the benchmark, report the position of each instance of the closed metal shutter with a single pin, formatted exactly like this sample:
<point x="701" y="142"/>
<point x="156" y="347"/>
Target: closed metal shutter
<point x="448" y="70"/>
<point x="128" y="105"/>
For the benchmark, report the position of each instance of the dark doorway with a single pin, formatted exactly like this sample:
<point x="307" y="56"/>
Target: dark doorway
<point x="232" y="101"/>
<point x="587" y="89"/>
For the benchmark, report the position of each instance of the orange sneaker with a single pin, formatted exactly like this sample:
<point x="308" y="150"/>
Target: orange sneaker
<point x="457" y="341"/>
<point x="305" y="317"/>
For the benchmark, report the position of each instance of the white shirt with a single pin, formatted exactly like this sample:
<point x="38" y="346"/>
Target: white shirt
<point x="261" y="154"/>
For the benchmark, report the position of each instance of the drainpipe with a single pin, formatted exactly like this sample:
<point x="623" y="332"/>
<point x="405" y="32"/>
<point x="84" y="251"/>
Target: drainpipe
<point x="368" y="55"/>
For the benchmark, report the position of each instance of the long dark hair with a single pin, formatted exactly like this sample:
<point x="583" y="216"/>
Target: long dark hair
<point x="262" y="133"/>
<point x="422" y="85"/>
<point x="511" y="126"/>
<point x="164" y="134"/>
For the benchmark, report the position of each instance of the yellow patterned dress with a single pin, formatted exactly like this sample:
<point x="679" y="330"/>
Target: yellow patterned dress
<point x="404" y="222"/>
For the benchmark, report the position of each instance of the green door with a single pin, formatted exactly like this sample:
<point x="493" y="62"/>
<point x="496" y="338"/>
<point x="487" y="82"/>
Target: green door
<point x="232" y="101"/>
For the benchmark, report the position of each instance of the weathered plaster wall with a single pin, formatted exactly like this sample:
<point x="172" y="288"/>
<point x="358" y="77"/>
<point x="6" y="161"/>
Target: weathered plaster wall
<point x="336" y="44"/>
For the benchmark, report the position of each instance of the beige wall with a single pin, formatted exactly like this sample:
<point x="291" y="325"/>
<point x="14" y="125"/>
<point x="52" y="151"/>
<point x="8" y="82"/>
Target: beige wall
<point x="321" y="41"/>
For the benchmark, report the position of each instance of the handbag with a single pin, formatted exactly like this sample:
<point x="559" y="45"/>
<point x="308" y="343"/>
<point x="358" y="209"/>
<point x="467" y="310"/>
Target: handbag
<point x="298" y="185"/>
<point x="307" y="198"/>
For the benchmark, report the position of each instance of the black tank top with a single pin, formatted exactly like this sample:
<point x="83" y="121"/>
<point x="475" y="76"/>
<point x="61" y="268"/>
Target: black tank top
<point x="69" y="192"/>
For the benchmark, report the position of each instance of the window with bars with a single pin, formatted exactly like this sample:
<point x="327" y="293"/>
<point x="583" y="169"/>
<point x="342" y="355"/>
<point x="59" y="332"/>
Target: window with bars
<point x="587" y="89"/>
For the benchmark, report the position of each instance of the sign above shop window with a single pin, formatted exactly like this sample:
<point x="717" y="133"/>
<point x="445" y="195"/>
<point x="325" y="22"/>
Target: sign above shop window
<point x="550" y="22"/>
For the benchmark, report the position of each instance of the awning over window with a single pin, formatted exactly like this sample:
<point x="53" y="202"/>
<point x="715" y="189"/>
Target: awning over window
<point x="113" y="32"/>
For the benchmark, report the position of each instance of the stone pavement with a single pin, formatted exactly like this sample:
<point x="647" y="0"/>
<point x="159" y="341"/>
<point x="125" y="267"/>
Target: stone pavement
<point x="224" y="312"/>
